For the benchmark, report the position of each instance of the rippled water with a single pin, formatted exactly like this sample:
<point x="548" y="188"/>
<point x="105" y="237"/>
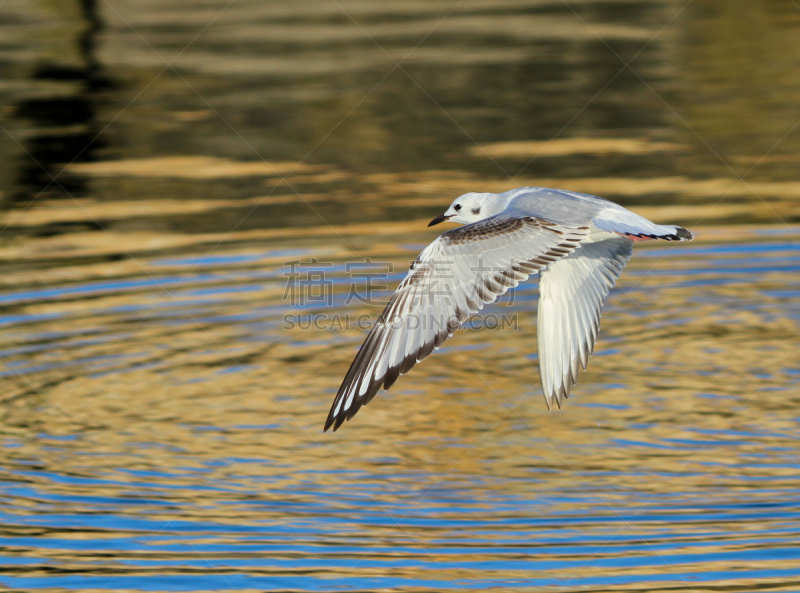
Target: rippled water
<point x="164" y="390"/>
<point x="176" y="442"/>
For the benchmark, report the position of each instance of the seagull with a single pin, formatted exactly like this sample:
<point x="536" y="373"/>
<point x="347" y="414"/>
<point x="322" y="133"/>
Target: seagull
<point x="577" y="243"/>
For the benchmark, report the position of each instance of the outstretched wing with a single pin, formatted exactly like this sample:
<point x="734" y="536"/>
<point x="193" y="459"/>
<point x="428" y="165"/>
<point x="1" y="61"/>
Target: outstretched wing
<point x="451" y="279"/>
<point x="572" y="291"/>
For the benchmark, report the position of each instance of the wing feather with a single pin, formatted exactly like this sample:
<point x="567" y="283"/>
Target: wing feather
<point x="453" y="278"/>
<point x="572" y="293"/>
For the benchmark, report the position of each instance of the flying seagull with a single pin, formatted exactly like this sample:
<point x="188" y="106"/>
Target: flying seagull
<point x="577" y="243"/>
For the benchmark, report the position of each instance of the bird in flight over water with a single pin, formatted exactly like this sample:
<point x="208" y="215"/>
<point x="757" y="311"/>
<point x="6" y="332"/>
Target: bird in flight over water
<point x="577" y="243"/>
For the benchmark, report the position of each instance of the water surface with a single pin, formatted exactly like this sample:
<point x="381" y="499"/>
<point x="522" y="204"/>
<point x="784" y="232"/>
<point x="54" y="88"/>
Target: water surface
<point x="165" y="384"/>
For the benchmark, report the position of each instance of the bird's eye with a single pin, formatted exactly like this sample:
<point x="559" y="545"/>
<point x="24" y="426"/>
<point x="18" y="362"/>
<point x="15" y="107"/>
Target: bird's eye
<point x="457" y="207"/>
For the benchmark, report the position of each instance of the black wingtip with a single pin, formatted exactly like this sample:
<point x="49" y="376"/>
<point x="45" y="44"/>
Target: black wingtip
<point x="333" y="421"/>
<point x="684" y="234"/>
<point x="330" y="422"/>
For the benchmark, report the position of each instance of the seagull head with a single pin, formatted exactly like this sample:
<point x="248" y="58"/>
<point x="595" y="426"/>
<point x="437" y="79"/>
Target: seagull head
<point x="471" y="207"/>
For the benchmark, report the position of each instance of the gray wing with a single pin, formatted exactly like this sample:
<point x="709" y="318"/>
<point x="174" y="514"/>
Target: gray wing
<point x="572" y="292"/>
<point x="451" y="279"/>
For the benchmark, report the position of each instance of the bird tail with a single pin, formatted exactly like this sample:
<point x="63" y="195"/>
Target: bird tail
<point x="668" y="233"/>
<point x="638" y="228"/>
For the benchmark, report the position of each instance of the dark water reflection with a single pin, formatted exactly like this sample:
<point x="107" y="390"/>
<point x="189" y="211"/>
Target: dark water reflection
<point x="161" y="426"/>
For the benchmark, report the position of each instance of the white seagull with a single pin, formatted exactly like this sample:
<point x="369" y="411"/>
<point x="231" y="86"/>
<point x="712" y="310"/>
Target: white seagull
<point x="577" y="243"/>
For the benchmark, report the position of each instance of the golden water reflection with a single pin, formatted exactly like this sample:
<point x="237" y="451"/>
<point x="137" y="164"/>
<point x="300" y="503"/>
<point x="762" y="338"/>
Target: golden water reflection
<point x="161" y="425"/>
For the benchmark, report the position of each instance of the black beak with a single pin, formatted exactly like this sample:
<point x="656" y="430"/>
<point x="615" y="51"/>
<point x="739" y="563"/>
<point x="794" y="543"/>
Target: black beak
<point x="438" y="219"/>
